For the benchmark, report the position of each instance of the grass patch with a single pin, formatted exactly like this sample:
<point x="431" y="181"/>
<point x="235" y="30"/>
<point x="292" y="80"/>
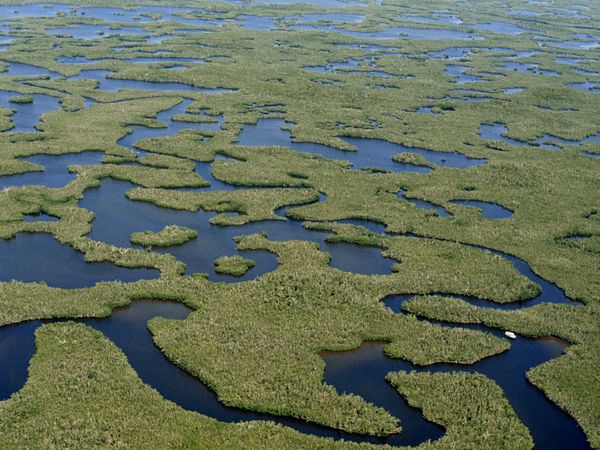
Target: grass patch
<point x="169" y="236"/>
<point x="233" y="265"/>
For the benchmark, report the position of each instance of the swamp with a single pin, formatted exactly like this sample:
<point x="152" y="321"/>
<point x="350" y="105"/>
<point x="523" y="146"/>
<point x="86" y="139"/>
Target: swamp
<point x="290" y="224"/>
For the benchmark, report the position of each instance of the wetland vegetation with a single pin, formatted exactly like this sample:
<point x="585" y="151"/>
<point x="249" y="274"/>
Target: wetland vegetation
<point x="272" y="224"/>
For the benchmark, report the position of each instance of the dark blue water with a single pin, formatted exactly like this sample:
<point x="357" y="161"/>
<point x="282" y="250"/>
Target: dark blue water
<point x="488" y="210"/>
<point x="440" y="211"/>
<point x="127" y="328"/>
<point x="513" y="90"/>
<point x="27" y="115"/>
<point x="450" y="53"/>
<point x="41" y="217"/>
<point x="580" y="45"/>
<point x="91" y="31"/>
<point x="397" y="33"/>
<point x="567" y="60"/>
<point x="117" y="217"/>
<point x="523" y="67"/>
<point x="55" y="172"/>
<point x="549" y="292"/>
<point x="460" y="75"/>
<point x="591" y="155"/>
<point x="497" y="132"/>
<point x="371" y="152"/>
<point x="27" y="258"/>
<point x="443" y="19"/>
<point x="334" y="66"/>
<point x="500" y="27"/>
<point x="193" y="16"/>
<point x="17" y="69"/>
<point x="587" y="86"/>
<point x="348" y="372"/>
<point x="137" y="60"/>
<point x="523" y="12"/>
<point x="106" y="83"/>
<point x="321" y="3"/>
<point x="330" y="17"/>
<point x="258" y="23"/>
<point x="33" y="10"/>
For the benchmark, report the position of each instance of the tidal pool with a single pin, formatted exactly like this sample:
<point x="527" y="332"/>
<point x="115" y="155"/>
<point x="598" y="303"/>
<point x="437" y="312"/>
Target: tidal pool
<point x="41" y="217"/>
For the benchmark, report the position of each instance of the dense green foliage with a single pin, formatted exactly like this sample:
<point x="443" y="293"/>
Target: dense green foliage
<point x="167" y="237"/>
<point x="233" y="265"/>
